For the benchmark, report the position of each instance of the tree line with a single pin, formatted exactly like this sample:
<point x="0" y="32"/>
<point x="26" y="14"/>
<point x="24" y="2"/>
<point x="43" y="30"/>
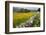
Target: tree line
<point x="26" y="10"/>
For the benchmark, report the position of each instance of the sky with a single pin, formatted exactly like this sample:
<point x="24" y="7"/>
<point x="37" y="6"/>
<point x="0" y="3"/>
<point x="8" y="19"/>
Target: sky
<point x="30" y="8"/>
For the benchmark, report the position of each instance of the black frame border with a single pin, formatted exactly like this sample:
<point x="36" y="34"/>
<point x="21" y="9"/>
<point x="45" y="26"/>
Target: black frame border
<point x="7" y="16"/>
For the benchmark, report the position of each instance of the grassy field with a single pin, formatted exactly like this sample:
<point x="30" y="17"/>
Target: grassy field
<point x="19" y="18"/>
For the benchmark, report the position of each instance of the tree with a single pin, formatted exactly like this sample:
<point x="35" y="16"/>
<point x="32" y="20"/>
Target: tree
<point x="39" y="9"/>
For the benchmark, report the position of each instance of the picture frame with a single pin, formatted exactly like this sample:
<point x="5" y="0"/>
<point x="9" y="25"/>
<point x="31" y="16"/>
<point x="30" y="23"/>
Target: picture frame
<point x="9" y="5"/>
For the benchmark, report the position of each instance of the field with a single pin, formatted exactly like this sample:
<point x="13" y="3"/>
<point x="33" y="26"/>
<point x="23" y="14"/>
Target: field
<point x="20" y="18"/>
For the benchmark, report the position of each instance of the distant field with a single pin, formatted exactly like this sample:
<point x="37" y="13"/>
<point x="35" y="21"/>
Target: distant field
<point x="19" y="18"/>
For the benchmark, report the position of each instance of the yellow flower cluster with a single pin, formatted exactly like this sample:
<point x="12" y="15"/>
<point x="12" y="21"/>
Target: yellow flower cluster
<point x="22" y="15"/>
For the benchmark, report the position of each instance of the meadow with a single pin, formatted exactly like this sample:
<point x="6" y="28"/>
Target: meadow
<point x="19" y="18"/>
